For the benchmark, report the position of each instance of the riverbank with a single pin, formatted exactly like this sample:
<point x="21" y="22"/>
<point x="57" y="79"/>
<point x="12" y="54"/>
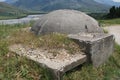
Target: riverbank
<point x="23" y="20"/>
<point x="12" y="17"/>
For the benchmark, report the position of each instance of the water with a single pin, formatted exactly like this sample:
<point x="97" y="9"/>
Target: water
<point x="21" y="20"/>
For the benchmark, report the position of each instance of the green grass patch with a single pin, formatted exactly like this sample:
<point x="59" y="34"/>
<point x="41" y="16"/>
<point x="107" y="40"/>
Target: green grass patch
<point x="12" y="66"/>
<point x="109" y="22"/>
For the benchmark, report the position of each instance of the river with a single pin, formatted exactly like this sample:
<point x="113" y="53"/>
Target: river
<point x="21" y="20"/>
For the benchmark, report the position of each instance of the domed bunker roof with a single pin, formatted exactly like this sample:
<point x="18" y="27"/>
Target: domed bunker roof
<point x="66" y="21"/>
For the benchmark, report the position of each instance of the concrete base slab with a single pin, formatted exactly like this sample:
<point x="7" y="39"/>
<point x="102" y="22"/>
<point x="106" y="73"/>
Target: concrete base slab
<point x="97" y="46"/>
<point x="56" y="64"/>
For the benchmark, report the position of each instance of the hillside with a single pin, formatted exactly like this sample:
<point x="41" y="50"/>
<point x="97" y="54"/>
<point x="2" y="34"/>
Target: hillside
<point x="49" y="5"/>
<point x="7" y="10"/>
<point x="10" y="1"/>
<point x="108" y="2"/>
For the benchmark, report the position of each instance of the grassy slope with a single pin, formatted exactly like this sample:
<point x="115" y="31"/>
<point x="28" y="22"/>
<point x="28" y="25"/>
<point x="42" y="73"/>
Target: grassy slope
<point x="14" y="67"/>
<point x="110" y="22"/>
<point x="7" y="11"/>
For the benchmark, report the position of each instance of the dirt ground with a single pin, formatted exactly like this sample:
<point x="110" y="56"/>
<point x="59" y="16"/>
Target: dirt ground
<point x="115" y="30"/>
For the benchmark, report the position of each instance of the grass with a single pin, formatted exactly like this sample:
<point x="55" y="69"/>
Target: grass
<point x="110" y="22"/>
<point x="105" y="31"/>
<point x="14" y="67"/>
<point x="52" y="42"/>
<point x="12" y="16"/>
<point x="11" y="65"/>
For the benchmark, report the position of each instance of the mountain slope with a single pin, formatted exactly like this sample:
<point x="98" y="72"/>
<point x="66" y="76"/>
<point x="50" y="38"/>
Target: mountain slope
<point x="108" y="2"/>
<point x="7" y="10"/>
<point x="49" y="5"/>
<point x="10" y="1"/>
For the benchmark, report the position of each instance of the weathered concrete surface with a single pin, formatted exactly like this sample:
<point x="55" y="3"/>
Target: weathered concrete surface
<point x="98" y="46"/>
<point x="66" y="21"/>
<point x="57" y="65"/>
<point x="115" y="30"/>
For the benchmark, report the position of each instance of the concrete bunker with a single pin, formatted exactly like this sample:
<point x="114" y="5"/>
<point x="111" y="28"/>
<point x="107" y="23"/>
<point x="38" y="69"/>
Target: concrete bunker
<point x="66" y="22"/>
<point x="80" y="27"/>
<point x="97" y="46"/>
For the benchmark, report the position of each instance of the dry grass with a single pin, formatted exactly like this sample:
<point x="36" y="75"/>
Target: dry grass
<point x="50" y="42"/>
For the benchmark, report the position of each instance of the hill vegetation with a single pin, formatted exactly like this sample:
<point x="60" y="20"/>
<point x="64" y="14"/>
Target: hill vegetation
<point x="50" y="5"/>
<point x="109" y="2"/>
<point x="8" y="11"/>
<point x="114" y="12"/>
<point x="111" y="18"/>
<point x="10" y="1"/>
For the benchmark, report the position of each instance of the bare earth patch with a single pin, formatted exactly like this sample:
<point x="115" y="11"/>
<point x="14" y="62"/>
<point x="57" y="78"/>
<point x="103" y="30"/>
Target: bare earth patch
<point x="115" y="30"/>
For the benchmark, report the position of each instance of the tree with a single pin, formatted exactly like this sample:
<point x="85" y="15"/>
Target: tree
<point x="114" y="12"/>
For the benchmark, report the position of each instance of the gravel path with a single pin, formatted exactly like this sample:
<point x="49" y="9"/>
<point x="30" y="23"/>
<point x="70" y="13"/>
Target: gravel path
<point x="115" y="30"/>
